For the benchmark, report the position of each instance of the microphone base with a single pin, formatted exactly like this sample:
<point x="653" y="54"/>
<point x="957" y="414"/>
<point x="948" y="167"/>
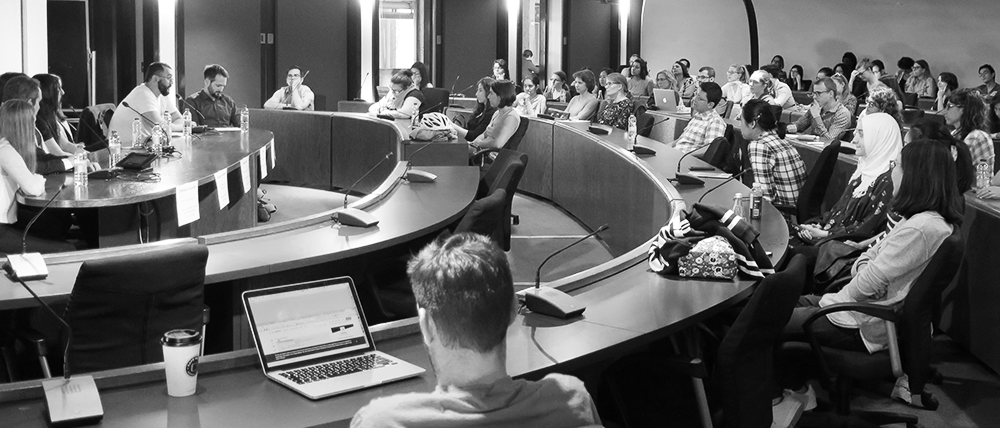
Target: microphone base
<point x="552" y="302"/>
<point x="418" y="176"/>
<point x="688" y="179"/>
<point x="643" y="150"/>
<point x="355" y="217"/>
<point x="27" y="266"/>
<point x="73" y="402"/>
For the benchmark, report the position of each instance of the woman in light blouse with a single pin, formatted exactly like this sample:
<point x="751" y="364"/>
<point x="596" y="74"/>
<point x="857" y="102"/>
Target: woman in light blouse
<point x="403" y="99"/>
<point x="736" y="89"/>
<point x="638" y="83"/>
<point x="557" y="90"/>
<point x="530" y="103"/>
<point x="17" y="163"/>
<point x="685" y="84"/>
<point x="921" y="81"/>
<point x="762" y="87"/>
<point x="584" y="105"/>
<point x="504" y="122"/>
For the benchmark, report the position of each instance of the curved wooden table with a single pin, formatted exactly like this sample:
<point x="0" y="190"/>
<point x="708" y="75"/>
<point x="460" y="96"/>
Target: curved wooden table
<point x="627" y="304"/>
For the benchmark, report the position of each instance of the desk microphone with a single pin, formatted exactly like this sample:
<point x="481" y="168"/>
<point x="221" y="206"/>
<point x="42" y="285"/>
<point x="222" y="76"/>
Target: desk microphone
<point x="353" y="216"/>
<point x="29" y="266"/>
<point x="150" y="122"/>
<point x="643" y="150"/>
<point x="462" y="92"/>
<point x="362" y="90"/>
<point x="417" y="175"/>
<point x="682" y="178"/>
<point x="197" y="129"/>
<point x="735" y="176"/>
<point x="550" y="301"/>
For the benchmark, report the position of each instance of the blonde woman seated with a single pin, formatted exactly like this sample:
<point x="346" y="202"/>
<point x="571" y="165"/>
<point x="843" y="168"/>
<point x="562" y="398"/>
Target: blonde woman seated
<point x="736" y="88"/>
<point x="584" y="105"/>
<point x="504" y="122"/>
<point x="530" y="103"/>
<point x="762" y="87"/>
<point x="403" y="99"/>
<point x="619" y="106"/>
<point x="844" y="95"/>
<point x="17" y="163"/>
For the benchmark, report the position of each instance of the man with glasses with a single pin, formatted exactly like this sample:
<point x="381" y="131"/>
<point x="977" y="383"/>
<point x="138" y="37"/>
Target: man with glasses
<point x="295" y="96"/>
<point x="149" y="99"/>
<point x="706" y="74"/>
<point x="989" y="88"/>
<point x="826" y="118"/>
<point x="706" y="124"/>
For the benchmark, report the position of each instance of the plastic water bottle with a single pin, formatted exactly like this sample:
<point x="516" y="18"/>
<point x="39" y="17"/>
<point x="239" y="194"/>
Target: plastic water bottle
<point x="738" y="204"/>
<point x="187" y="123"/>
<point x="115" y="149"/>
<point x="156" y="143"/>
<point x="756" y="201"/>
<point x="80" y="169"/>
<point x="245" y="119"/>
<point x="165" y="123"/>
<point x="632" y="131"/>
<point x="136" y="132"/>
<point x="983" y="174"/>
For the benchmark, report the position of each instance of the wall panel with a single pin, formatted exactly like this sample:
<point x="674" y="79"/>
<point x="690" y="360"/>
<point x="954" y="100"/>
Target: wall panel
<point x="469" y="42"/>
<point x="313" y="35"/>
<point x="589" y="35"/>
<point x="225" y="32"/>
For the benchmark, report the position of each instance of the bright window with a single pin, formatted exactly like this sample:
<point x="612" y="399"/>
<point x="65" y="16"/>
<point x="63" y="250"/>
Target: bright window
<point x="400" y="37"/>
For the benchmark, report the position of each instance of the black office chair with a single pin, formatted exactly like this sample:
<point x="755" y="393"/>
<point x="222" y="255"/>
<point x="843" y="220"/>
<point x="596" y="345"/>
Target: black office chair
<point x="120" y="307"/>
<point x="644" y="123"/>
<point x="719" y="153"/>
<point x="94" y="120"/>
<point x="505" y="173"/>
<point x="909" y="99"/>
<point x="435" y="100"/>
<point x="910" y="354"/>
<point x="813" y="192"/>
<point x="912" y="115"/>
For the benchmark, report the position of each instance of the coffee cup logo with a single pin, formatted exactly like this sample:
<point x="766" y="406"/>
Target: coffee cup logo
<point x="192" y="366"/>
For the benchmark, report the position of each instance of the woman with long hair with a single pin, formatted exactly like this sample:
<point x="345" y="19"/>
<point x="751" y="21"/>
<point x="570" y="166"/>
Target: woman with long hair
<point x="736" y="88"/>
<point x="685" y="83"/>
<point x="17" y="165"/>
<point x="965" y="112"/>
<point x="883" y="100"/>
<point x="500" y="70"/>
<point x="947" y="84"/>
<point x="504" y="122"/>
<point x="639" y="84"/>
<point x="421" y="77"/>
<point x="795" y="79"/>
<point x="50" y="120"/>
<point x="530" y="103"/>
<point x="557" y="89"/>
<point x="921" y="81"/>
<point x="483" y="112"/>
<point x="762" y="87"/>
<point x="779" y="61"/>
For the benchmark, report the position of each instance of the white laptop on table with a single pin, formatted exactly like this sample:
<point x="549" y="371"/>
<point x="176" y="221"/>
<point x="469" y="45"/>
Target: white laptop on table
<point x="313" y="338"/>
<point x="666" y="99"/>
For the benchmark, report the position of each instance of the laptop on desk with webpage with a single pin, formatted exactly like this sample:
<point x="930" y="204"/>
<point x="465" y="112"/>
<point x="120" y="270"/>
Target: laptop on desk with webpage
<point x="313" y="339"/>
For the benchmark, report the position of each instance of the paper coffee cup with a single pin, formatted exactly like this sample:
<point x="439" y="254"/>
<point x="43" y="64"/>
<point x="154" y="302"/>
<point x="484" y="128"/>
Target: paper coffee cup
<point x="180" y="356"/>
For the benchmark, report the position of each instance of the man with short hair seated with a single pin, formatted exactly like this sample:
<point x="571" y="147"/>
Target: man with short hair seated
<point x="706" y="124"/>
<point x="782" y="92"/>
<point x="706" y="74"/>
<point x="826" y="118"/>
<point x="465" y="302"/>
<point x="214" y="108"/>
<point x="989" y="88"/>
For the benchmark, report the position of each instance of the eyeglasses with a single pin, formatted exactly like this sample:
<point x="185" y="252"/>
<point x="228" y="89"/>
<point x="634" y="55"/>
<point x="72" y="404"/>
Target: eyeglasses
<point x="167" y="77"/>
<point x="815" y="94"/>
<point x="917" y="67"/>
<point x="951" y="106"/>
<point x="396" y="91"/>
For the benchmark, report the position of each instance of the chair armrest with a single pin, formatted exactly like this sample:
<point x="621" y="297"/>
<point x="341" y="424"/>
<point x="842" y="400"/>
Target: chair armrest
<point x="479" y="157"/>
<point x="690" y="366"/>
<point x="34" y="339"/>
<point x="787" y="209"/>
<point x="878" y="311"/>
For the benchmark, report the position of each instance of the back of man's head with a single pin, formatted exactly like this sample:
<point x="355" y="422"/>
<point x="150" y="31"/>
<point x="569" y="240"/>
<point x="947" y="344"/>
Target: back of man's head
<point x="152" y="69"/>
<point x="774" y="71"/>
<point x="465" y="285"/>
<point x="4" y="78"/>
<point x="21" y="88"/>
<point x="709" y="70"/>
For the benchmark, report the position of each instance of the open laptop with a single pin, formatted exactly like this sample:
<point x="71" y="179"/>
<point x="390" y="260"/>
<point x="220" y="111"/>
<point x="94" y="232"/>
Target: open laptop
<point x="313" y="338"/>
<point x="666" y="99"/>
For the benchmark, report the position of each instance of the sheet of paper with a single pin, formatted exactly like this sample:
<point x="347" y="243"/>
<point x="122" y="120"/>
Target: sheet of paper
<point x="245" y="173"/>
<point x="273" y="156"/>
<point x="263" y="162"/>
<point x="187" y="203"/>
<point x="706" y="174"/>
<point x="222" y="188"/>
<point x="227" y="129"/>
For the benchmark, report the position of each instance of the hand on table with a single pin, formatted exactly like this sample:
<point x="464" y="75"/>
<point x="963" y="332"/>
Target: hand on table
<point x="990" y="192"/>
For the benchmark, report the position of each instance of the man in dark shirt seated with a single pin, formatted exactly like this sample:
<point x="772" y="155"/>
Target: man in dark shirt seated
<point x="465" y="302"/>
<point x="217" y="110"/>
<point x="989" y="88"/>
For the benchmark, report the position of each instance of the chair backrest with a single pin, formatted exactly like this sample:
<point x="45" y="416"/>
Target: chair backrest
<point x="912" y="115"/>
<point x="485" y="217"/>
<point x="644" y="122"/>
<point x="515" y="140"/>
<point x="120" y="308"/>
<point x="505" y="173"/>
<point x="718" y="153"/>
<point x="909" y="99"/>
<point x="745" y="367"/>
<point x="435" y="100"/>
<point x="94" y="122"/>
<point x="806" y="85"/>
<point x="810" y="201"/>
<point x="916" y="314"/>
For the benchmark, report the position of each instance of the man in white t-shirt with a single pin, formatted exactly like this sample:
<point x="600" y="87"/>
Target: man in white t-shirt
<point x="465" y="302"/>
<point x="150" y="99"/>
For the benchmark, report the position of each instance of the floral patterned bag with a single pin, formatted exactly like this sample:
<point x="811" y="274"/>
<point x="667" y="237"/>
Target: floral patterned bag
<point x="712" y="257"/>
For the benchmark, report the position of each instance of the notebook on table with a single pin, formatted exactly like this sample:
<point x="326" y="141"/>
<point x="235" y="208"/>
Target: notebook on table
<point x="313" y="339"/>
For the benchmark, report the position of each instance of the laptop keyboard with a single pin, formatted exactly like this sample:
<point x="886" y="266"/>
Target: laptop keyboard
<point x="336" y="368"/>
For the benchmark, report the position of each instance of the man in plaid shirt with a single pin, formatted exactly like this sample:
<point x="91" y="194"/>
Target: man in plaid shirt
<point x="826" y="118"/>
<point x="706" y="124"/>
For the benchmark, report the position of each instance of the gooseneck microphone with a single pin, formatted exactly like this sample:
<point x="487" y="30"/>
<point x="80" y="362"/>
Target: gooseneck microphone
<point x="417" y="175"/>
<point x="451" y="92"/>
<point x="682" y="178"/>
<point x="735" y="176"/>
<point x="550" y="301"/>
<point x="150" y="122"/>
<point x="353" y="216"/>
<point x="188" y="105"/>
<point x="30" y="266"/>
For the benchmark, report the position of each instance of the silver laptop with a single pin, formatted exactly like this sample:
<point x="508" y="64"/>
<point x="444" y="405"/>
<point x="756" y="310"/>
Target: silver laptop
<point x="312" y="338"/>
<point x="666" y="99"/>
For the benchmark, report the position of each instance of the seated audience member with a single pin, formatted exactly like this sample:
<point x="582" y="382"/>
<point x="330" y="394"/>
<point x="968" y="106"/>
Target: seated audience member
<point x="529" y="64"/>
<point x="217" y="109"/>
<point x="5" y="77"/>
<point x="482" y="114"/>
<point x="826" y="117"/>
<point x="421" y="77"/>
<point x="665" y="80"/>
<point x="557" y="90"/>
<point x="989" y="88"/>
<point x="762" y="87"/>
<point x="778" y="62"/>
<point x="17" y="163"/>
<point x="905" y="65"/>
<point x="929" y="129"/>
<point x="845" y="97"/>
<point x="627" y="71"/>
<point x="776" y="164"/>
<point x="584" y="105"/>
<point x="28" y="89"/>
<point x="686" y="63"/>
<point x="706" y="124"/>
<point x="686" y="86"/>
<point x="994" y="117"/>
<point x="403" y="99"/>
<point x="619" y="105"/>
<point x="921" y="81"/>
<point x="602" y="83"/>
<point x="504" y="122"/>
<point x="840" y="69"/>
<point x="465" y="303"/>
<point x="824" y="72"/>
<point x="863" y="206"/>
<point x="150" y="99"/>
<point x="883" y="100"/>
<point x="530" y="103"/>
<point x="947" y="84"/>
<point x="736" y="88"/>
<point x="705" y="74"/>
<point x="966" y="114"/>
<point x="878" y="67"/>
<point x="500" y="69"/>
<point x="50" y="120"/>
<point x="865" y="72"/>
<point x="795" y="78"/>
<point x="295" y="96"/>
<point x="782" y="93"/>
<point x="931" y="208"/>
<point x="639" y="84"/>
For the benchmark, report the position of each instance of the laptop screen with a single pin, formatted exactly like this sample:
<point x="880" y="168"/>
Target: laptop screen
<point x="306" y="321"/>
